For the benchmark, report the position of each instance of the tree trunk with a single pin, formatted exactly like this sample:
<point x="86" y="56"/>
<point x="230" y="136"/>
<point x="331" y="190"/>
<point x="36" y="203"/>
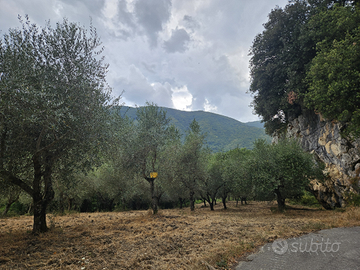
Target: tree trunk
<point x="211" y="205"/>
<point x="158" y="200"/>
<point x="40" y="200"/>
<point x="70" y="203"/>
<point x="39" y="216"/>
<point x="243" y="199"/>
<point x="280" y="200"/>
<point x="181" y="201"/>
<point x="154" y="204"/>
<point x="204" y="203"/>
<point x="192" y="201"/>
<point x="224" y="202"/>
<point x="210" y="201"/>
<point x="61" y="202"/>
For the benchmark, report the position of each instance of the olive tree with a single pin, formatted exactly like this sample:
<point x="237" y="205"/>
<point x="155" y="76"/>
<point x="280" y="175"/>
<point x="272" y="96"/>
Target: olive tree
<point x="237" y="174"/>
<point x="147" y="138"/>
<point x="282" y="170"/>
<point x="192" y="160"/>
<point x="168" y="173"/>
<point x="212" y="180"/>
<point x="54" y="106"/>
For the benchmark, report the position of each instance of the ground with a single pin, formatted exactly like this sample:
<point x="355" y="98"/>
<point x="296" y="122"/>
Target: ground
<point x="172" y="239"/>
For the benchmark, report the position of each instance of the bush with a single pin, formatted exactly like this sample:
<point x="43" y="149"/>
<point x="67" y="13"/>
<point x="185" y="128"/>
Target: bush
<point x="308" y="199"/>
<point x="16" y="209"/>
<point x="354" y="199"/>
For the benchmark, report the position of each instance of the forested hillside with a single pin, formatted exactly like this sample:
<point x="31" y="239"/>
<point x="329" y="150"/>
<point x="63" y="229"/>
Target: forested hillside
<point x="257" y="124"/>
<point x="222" y="133"/>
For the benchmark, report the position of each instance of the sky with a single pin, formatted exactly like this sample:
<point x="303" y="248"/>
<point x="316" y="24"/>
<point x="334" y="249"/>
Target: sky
<point x="184" y="54"/>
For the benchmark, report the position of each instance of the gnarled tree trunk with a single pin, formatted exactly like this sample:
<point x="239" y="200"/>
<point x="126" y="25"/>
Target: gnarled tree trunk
<point x="280" y="200"/>
<point x="224" y="202"/>
<point x="154" y="201"/>
<point x="41" y="199"/>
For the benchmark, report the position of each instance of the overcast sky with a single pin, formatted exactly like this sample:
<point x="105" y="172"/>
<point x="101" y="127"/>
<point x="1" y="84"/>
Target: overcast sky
<point x="182" y="54"/>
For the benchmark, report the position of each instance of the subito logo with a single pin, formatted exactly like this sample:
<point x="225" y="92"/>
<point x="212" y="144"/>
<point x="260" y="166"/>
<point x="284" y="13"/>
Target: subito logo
<point x="280" y="246"/>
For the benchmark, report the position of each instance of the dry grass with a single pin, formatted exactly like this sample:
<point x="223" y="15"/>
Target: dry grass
<point x="173" y="239"/>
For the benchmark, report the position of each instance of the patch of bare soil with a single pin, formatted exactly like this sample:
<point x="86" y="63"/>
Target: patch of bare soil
<point x="173" y="239"/>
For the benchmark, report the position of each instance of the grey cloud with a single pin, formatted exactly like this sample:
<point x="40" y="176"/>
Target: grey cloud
<point x="234" y="23"/>
<point x="152" y="14"/>
<point x="80" y="6"/>
<point x="125" y="21"/>
<point x="189" y="22"/>
<point x="149" y="67"/>
<point x="40" y="11"/>
<point x="177" y="41"/>
<point x="124" y="15"/>
<point x="214" y="68"/>
<point x="162" y="94"/>
<point x="135" y="85"/>
<point x="139" y="90"/>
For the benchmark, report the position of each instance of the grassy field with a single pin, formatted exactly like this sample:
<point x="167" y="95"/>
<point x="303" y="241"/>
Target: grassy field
<point x="173" y="239"/>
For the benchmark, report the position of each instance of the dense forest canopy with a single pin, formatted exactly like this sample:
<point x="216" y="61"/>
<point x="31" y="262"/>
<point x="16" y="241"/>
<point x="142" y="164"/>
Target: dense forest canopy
<point x="307" y="60"/>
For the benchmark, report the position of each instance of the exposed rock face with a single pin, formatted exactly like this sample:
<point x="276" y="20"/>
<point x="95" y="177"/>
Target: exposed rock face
<point x="341" y="156"/>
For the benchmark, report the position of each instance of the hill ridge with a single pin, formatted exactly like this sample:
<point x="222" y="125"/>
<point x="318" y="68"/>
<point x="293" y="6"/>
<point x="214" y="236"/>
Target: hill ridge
<point x="223" y="133"/>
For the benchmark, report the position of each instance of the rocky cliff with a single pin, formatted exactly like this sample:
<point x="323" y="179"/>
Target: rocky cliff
<point x="340" y="155"/>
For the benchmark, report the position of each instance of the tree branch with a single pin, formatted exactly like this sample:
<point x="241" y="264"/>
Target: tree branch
<point x="38" y="142"/>
<point x="16" y="181"/>
<point x="50" y="145"/>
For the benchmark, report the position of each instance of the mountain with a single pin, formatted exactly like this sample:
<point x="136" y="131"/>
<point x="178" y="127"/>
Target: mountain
<point x="257" y="124"/>
<point x="222" y="133"/>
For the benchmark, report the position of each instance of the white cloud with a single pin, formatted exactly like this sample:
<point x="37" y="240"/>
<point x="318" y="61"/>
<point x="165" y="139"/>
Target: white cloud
<point x="110" y="9"/>
<point x="209" y="107"/>
<point x="182" y="98"/>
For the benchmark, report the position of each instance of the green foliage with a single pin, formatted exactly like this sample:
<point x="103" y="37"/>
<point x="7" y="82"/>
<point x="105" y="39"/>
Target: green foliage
<point x="354" y="199"/>
<point x="192" y="160"/>
<point x="54" y="107"/>
<point x="142" y="147"/>
<point x="283" y="170"/>
<point x="307" y="199"/>
<point x="223" y="263"/>
<point x="16" y="209"/>
<point x="309" y="49"/>
<point x="257" y="124"/>
<point x="334" y="75"/>
<point x="278" y="64"/>
<point x="236" y="173"/>
<point x="213" y="181"/>
<point x="145" y="139"/>
<point x="168" y="178"/>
